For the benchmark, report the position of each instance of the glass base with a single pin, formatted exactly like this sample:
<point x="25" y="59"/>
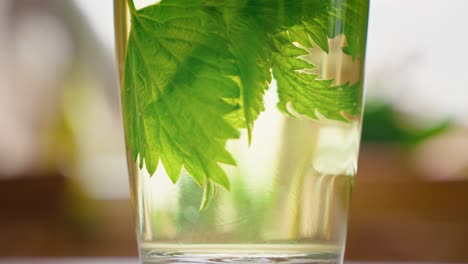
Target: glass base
<point x="212" y="254"/>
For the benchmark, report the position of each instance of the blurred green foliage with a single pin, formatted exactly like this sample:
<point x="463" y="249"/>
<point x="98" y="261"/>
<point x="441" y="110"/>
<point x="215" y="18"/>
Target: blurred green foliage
<point x="384" y="124"/>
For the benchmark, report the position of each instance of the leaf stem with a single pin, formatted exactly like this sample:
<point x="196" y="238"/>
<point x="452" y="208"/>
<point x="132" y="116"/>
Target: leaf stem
<point x="131" y="6"/>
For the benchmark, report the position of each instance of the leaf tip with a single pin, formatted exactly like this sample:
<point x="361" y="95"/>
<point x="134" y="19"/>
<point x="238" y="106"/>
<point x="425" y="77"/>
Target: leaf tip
<point x="150" y="167"/>
<point x="249" y="135"/>
<point x="227" y="186"/>
<point x="208" y="193"/>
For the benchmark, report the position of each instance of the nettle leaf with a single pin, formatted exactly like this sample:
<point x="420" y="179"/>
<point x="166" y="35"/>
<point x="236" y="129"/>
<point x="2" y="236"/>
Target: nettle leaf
<point x="349" y="18"/>
<point x="301" y="91"/>
<point x="196" y="72"/>
<point x="177" y="85"/>
<point x="248" y="41"/>
<point x="355" y="26"/>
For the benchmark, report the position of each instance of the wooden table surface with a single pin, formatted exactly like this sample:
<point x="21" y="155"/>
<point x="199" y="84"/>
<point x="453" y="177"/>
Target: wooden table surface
<point x="69" y="261"/>
<point x="132" y="261"/>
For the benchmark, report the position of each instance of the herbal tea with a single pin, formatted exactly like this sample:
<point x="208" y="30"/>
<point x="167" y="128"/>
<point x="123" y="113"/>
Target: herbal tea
<point x="242" y="124"/>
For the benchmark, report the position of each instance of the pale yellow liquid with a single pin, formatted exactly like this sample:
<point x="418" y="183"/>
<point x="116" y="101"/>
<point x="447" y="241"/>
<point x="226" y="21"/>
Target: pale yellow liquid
<point x="290" y="191"/>
<point x="289" y="198"/>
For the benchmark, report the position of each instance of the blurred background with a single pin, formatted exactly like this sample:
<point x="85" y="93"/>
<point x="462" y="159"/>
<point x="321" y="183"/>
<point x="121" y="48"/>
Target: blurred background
<point x="63" y="177"/>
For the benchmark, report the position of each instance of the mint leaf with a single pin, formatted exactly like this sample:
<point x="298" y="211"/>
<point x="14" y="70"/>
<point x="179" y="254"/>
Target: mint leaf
<point x="177" y="87"/>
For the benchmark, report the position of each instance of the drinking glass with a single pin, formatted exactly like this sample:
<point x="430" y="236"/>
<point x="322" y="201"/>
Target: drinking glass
<point x="242" y="125"/>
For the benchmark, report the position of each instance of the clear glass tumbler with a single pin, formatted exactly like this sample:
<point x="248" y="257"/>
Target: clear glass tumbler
<point x="242" y="125"/>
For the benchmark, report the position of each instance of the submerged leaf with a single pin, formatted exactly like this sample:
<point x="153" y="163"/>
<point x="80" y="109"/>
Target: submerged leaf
<point x="196" y="72"/>
<point x="177" y="80"/>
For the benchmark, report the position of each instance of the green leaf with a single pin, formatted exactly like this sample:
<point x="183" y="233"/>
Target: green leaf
<point x="208" y="193"/>
<point x="177" y="84"/>
<point x="355" y="26"/>
<point x="248" y="43"/>
<point x="196" y="71"/>
<point x="301" y="92"/>
<point x="347" y="17"/>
